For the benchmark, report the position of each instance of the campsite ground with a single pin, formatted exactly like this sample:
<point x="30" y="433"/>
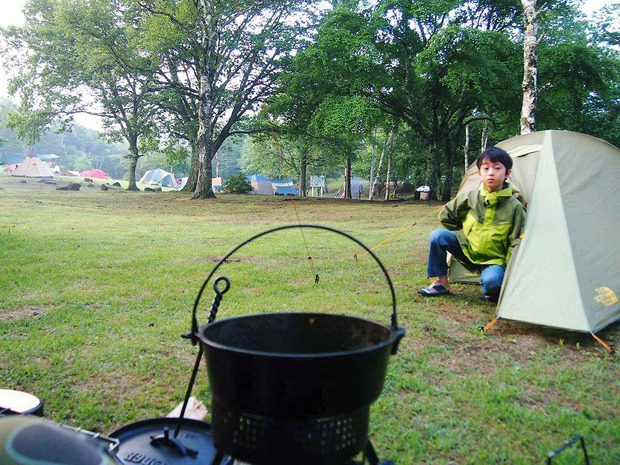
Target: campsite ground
<point x="98" y="286"/>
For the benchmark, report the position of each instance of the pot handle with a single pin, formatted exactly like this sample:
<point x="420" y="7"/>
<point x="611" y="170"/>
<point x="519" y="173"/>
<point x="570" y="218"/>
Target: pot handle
<point x="393" y="319"/>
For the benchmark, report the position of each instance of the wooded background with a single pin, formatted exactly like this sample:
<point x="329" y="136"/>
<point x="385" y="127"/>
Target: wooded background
<point x="397" y="90"/>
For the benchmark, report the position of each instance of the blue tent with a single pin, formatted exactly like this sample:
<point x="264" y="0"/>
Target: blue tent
<point x="284" y="188"/>
<point x="10" y="158"/>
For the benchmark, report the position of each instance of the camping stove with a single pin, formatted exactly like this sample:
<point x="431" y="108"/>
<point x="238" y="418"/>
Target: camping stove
<point x="369" y="458"/>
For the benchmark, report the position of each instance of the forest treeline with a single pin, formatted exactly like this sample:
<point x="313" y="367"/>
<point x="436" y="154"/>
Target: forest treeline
<point x="399" y="90"/>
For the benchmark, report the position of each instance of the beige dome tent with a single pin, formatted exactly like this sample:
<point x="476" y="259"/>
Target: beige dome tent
<point x="33" y="167"/>
<point x="566" y="273"/>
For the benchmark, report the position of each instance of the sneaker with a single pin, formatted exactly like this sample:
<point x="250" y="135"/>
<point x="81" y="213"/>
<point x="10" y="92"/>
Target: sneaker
<point x="434" y="290"/>
<point x="491" y="298"/>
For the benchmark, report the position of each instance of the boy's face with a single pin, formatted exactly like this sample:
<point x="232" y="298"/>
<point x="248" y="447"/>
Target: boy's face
<point x="493" y="174"/>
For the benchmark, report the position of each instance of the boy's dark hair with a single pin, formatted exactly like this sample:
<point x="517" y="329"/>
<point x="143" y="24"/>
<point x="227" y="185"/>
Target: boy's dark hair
<point x="495" y="154"/>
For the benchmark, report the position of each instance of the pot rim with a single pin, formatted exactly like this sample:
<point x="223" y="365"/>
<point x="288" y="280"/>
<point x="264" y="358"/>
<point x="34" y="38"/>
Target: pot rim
<point x="389" y="341"/>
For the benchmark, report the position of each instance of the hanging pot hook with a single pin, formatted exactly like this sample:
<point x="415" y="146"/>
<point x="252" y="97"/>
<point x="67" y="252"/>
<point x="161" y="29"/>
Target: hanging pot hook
<point x="215" y="305"/>
<point x="219" y="293"/>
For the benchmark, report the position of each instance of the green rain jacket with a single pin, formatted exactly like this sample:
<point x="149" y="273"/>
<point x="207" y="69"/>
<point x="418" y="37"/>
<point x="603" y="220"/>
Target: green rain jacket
<point x="488" y="224"/>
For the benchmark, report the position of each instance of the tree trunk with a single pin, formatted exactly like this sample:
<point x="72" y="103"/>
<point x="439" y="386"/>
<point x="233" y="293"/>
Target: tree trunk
<point x="303" y="173"/>
<point x="375" y="185"/>
<point x="433" y="167"/>
<point x="388" y="174"/>
<point x="372" y="165"/>
<point x="466" y="148"/>
<point x="134" y="155"/>
<point x="347" y="179"/>
<point x="203" y="188"/>
<point x="484" y="137"/>
<point x="190" y="185"/>
<point x="388" y="142"/>
<point x="203" y="182"/>
<point x="530" y="67"/>
<point x="446" y="193"/>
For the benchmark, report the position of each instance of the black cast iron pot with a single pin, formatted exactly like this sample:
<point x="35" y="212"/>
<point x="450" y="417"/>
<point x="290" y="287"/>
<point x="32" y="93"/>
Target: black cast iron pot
<point x="294" y="387"/>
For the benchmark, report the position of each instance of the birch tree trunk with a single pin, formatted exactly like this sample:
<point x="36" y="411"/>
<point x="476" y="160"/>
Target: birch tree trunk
<point x="484" y="137"/>
<point x="388" y="174"/>
<point x="372" y="165"/>
<point x="530" y="67"/>
<point x="388" y="143"/>
<point x="375" y="184"/>
<point x="466" y="148"/>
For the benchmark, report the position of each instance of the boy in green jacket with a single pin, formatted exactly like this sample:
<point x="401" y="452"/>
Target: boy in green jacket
<point x="482" y="228"/>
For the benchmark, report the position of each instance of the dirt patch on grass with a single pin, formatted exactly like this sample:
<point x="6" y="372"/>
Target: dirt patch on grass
<point x="21" y="314"/>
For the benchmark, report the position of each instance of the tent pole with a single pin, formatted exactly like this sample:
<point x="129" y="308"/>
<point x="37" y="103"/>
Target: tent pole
<point x="609" y="348"/>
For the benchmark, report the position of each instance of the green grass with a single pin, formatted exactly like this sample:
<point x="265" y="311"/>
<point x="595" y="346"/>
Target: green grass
<point x="97" y="288"/>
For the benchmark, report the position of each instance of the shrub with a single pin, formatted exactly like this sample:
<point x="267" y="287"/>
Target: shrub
<point x="237" y="184"/>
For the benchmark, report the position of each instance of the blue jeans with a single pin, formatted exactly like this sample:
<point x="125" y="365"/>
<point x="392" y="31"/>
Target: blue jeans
<point x="443" y="241"/>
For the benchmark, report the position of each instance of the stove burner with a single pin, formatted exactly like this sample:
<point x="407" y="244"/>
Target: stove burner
<point x="369" y="458"/>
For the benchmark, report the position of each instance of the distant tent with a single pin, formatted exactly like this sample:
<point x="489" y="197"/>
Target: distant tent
<point x="33" y="167"/>
<point x="284" y="187"/>
<point x="159" y="177"/>
<point x="216" y="184"/>
<point x="12" y="158"/>
<point x="565" y="273"/>
<point x="97" y="173"/>
<point x="265" y="186"/>
<point x="48" y="157"/>
<point x="62" y="171"/>
<point x="261" y="185"/>
<point x="168" y="181"/>
<point x="9" y="169"/>
<point x="286" y="190"/>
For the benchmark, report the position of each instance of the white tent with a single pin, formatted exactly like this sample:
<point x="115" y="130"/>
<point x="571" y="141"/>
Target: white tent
<point x="159" y="177"/>
<point x="565" y="273"/>
<point x="33" y="167"/>
<point x="261" y="185"/>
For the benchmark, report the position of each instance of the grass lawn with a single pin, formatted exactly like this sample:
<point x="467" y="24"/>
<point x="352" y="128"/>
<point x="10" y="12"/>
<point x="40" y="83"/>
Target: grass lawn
<point x="98" y="286"/>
